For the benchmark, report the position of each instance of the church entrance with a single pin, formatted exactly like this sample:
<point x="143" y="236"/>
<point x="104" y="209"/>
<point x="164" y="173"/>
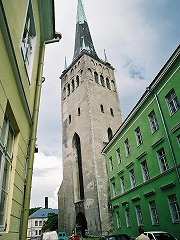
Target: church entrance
<point x="81" y="225"/>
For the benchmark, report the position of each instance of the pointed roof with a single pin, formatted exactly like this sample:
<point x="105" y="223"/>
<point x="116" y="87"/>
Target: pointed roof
<point x="83" y="40"/>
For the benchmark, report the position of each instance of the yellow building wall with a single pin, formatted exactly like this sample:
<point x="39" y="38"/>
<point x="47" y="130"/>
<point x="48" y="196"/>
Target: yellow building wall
<point x="9" y="96"/>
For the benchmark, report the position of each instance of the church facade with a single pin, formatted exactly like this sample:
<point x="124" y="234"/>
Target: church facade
<point x="90" y="116"/>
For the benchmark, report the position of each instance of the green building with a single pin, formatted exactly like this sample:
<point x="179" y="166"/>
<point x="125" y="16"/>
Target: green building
<point x="143" y="158"/>
<point x="25" y="27"/>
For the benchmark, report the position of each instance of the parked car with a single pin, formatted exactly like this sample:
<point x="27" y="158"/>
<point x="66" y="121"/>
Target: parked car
<point x="159" y="235"/>
<point x="121" y="236"/>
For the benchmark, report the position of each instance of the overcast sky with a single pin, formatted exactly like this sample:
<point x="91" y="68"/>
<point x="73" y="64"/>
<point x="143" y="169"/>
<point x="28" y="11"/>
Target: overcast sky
<point x="139" y="36"/>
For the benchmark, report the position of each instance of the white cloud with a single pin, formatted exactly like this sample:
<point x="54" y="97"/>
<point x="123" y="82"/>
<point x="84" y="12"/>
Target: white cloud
<point x="47" y="177"/>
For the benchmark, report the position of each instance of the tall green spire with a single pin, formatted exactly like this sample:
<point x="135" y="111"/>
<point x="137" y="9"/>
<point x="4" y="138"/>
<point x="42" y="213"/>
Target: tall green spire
<point x="83" y="40"/>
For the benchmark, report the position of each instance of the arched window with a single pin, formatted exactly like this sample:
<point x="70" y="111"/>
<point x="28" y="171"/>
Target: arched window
<point x="111" y="111"/>
<point x="69" y="89"/>
<point x="89" y="74"/>
<point x="96" y="77"/>
<point x="79" y="111"/>
<point x="110" y="134"/>
<point x="113" y="85"/>
<point x="102" y="108"/>
<point x="108" y="83"/>
<point x="102" y="80"/>
<point x="73" y="85"/>
<point x="77" y="169"/>
<point x="64" y="92"/>
<point x="77" y="81"/>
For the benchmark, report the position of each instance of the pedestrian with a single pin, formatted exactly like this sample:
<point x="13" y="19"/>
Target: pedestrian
<point x="142" y="236"/>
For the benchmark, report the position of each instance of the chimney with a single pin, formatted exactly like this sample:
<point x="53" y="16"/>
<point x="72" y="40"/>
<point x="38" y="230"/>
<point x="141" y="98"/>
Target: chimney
<point x="46" y="202"/>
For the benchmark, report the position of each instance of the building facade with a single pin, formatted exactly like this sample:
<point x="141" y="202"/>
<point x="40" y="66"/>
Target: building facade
<point x="36" y="221"/>
<point x="90" y="116"/>
<point x="143" y="160"/>
<point x="25" y="27"/>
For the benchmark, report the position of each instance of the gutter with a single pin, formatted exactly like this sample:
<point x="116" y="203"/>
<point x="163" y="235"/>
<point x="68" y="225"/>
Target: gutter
<point x="28" y="182"/>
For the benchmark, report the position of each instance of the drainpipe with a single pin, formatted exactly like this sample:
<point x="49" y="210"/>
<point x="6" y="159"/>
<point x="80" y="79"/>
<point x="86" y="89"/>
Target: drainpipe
<point x="166" y="132"/>
<point x="27" y="194"/>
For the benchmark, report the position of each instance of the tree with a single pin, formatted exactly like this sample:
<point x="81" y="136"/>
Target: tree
<point x="32" y="210"/>
<point x="52" y="223"/>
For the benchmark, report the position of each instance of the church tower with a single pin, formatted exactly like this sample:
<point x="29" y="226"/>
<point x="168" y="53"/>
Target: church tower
<point x="90" y="116"/>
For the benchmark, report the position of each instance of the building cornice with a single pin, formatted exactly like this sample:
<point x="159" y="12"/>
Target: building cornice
<point x="164" y="71"/>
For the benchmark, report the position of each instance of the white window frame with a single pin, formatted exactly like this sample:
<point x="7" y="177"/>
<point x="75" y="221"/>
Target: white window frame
<point x="118" y="155"/>
<point x="132" y="178"/>
<point x="163" y="164"/>
<point x="114" y="189"/>
<point x="174" y="208"/>
<point x="127" y="147"/>
<point x="6" y="154"/>
<point x="123" y="187"/>
<point x="145" y="171"/>
<point x="28" y="41"/>
<point x="128" y="218"/>
<point x="172" y="102"/>
<point x="118" y="219"/>
<point x="153" y="122"/>
<point x="178" y="140"/>
<point x="138" y="136"/>
<point x="111" y="164"/>
<point x="153" y="213"/>
<point x="139" y="215"/>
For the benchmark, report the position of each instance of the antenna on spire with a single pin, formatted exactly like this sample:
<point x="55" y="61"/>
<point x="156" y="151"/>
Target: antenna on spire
<point x="65" y="64"/>
<point x="105" y="57"/>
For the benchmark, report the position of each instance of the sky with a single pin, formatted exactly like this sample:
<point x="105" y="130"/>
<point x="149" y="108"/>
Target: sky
<point x="138" y="36"/>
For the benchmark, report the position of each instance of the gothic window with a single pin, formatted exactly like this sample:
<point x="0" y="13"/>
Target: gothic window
<point x="153" y="121"/>
<point x="64" y="92"/>
<point x="89" y="74"/>
<point x="111" y="111"/>
<point x="113" y="85"/>
<point x="96" y="77"/>
<point x="6" y="149"/>
<point x="110" y="133"/>
<point x="102" y="80"/>
<point x="77" y="81"/>
<point x="73" y="85"/>
<point x="69" y="118"/>
<point x="102" y="108"/>
<point x="28" y="41"/>
<point x="172" y="102"/>
<point x="78" y="171"/>
<point x="68" y="89"/>
<point x="108" y="83"/>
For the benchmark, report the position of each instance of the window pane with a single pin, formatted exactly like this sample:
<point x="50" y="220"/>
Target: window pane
<point x="172" y="102"/>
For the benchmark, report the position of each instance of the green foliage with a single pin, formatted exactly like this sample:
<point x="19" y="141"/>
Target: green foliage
<point x="32" y="210"/>
<point x="52" y="223"/>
